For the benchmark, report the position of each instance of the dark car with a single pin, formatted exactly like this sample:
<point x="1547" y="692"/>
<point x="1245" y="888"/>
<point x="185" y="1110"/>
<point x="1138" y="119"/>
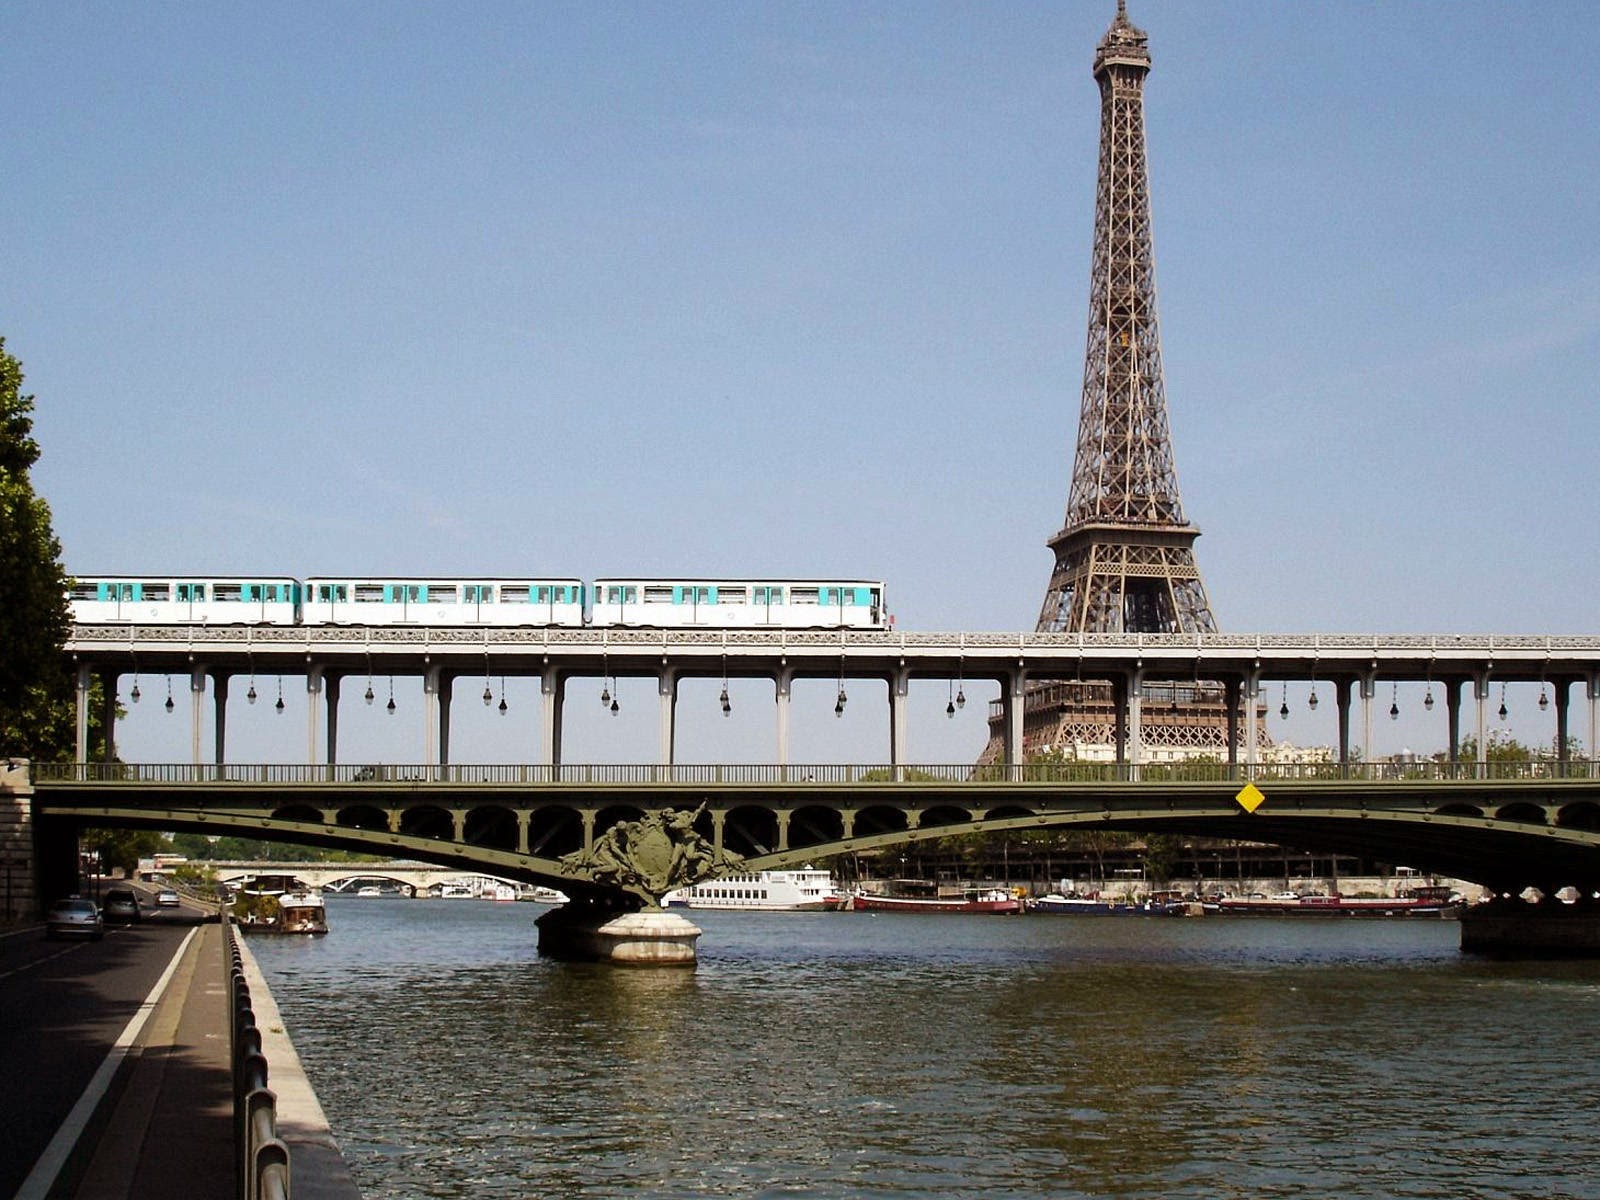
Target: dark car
<point x="120" y="905"/>
<point x="74" y="918"/>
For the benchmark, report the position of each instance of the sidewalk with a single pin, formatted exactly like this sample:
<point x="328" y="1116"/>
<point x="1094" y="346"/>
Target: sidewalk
<point x="169" y="1132"/>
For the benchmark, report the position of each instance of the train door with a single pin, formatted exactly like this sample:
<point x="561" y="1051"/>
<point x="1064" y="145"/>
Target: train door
<point x="188" y="596"/>
<point x="406" y="595"/>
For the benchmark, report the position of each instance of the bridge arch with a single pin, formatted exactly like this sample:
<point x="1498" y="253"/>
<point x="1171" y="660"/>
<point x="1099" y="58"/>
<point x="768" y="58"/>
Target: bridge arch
<point x="362" y="816"/>
<point x="555" y="830"/>
<point x="938" y="815"/>
<point x="814" y="825"/>
<point x="1459" y="810"/>
<point x="428" y="821"/>
<point x="491" y="825"/>
<point x="1523" y="811"/>
<point x="750" y="830"/>
<point x="1585" y="814"/>
<point x="878" y="819"/>
<point x="303" y="813"/>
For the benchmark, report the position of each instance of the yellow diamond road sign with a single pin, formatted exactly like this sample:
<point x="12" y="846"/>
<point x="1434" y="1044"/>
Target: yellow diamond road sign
<point x="1249" y="797"/>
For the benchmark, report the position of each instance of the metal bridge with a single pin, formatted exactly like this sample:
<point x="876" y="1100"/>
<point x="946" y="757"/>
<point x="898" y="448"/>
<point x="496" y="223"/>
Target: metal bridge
<point x="1507" y="826"/>
<point x="1463" y="668"/>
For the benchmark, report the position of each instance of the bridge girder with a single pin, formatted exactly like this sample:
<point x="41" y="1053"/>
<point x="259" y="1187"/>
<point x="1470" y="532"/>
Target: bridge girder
<point x="1504" y="835"/>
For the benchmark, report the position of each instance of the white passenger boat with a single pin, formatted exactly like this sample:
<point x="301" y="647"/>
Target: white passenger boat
<point x="803" y="890"/>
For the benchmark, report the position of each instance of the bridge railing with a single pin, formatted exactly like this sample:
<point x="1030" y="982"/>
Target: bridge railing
<point x="261" y="1156"/>
<point x="766" y="774"/>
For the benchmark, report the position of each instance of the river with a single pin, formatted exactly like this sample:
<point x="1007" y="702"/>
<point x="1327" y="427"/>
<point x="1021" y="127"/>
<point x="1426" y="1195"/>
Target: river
<point x="885" y="1055"/>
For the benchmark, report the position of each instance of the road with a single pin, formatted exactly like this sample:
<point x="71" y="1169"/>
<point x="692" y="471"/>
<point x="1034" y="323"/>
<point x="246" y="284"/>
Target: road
<point x="62" y="1006"/>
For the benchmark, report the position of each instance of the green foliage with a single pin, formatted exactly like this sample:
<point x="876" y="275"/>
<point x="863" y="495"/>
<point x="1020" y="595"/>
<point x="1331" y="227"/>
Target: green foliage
<point x="36" y="709"/>
<point x="121" y="849"/>
<point x="1161" y="854"/>
<point x="258" y="909"/>
<point x="194" y="875"/>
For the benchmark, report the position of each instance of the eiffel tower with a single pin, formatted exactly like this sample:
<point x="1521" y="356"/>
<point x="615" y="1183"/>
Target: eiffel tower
<point x="1124" y="557"/>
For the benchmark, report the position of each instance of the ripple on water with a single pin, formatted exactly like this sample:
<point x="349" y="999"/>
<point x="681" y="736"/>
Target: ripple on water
<point x="868" y="1056"/>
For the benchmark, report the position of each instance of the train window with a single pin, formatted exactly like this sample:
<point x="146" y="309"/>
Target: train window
<point x="227" y="592"/>
<point x="440" y="593"/>
<point x="191" y="591"/>
<point x="730" y="595"/>
<point x="478" y="593"/>
<point x="371" y="593"/>
<point x="514" y="593"/>
<point x="697" y="595"/>
<point x="803" y="595"/>
<point x="333" y="592"/>
<point x="157" y="591"/>
<point x="86" y="591"/>
<point x="657" y="594"/>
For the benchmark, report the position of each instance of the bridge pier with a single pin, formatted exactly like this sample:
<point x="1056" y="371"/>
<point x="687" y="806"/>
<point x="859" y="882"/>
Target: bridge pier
<point x="1512" y="928"/>
<point x="590" y="930"/>
<point x="16" y="842"/>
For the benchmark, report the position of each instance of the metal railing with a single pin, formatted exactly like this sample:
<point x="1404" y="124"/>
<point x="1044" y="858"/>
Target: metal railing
<point x="767" y="774"/>
<point x="261" y="1157"/>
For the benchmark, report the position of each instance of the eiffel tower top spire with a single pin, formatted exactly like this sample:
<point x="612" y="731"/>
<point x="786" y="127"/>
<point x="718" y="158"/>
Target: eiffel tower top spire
<point x="1124" y="555"/>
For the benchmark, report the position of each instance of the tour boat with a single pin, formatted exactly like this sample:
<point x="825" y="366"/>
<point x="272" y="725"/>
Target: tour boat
<point x="920" y="896"/>
<point x="804" y="890"/>
<point x="548" y="895"/>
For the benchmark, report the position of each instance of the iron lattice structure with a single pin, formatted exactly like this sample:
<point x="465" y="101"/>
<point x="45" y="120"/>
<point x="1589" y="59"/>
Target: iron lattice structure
<point x="1125" y="553"/>
<point x="1124" y="558"/>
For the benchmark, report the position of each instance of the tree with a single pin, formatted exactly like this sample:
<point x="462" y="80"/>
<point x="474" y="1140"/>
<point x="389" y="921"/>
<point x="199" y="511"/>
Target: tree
<point x="121" y="849"/>
<point x="36" y="693"/>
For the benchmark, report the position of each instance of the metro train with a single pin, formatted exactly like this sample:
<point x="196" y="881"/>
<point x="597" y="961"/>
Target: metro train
<point x="456" y="603"/>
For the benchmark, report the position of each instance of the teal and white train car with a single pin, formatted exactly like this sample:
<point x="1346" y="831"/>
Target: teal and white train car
<point x="184" y="600"/>
<point x="740" y="604"/>
<point x="436" y="601"/>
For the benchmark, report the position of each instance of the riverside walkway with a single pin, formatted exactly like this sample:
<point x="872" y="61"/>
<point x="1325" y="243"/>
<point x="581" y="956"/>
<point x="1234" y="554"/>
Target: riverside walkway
<point x="154" y="1119"/>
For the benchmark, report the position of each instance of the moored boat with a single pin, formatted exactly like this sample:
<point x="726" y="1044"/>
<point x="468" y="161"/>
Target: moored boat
<point x="279" y="904"/>
<point x="802" y="890"/>
<point x="1082" y="906"/>
<point x="920" y="896"/>
<point x="1423" y="902"/>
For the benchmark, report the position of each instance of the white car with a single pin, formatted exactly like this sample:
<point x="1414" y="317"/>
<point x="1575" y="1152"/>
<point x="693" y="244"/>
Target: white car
<point x="167" y="898"/>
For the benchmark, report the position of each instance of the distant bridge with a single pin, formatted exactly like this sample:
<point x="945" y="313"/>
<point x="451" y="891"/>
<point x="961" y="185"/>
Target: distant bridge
<point x="1505" y="826"/>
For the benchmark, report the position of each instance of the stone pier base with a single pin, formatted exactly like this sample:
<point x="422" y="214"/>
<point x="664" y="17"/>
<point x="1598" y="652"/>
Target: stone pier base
<point x="18" y="881"/>
<point x="651" y="937"/>
<point x="1514" y="929"/>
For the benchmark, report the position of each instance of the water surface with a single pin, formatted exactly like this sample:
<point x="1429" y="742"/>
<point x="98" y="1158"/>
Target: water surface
<point x="886" y="1055"/>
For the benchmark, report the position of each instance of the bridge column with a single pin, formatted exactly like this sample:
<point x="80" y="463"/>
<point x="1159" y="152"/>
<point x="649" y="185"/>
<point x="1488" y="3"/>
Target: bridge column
<point x="331" y="683"/>
<point x="524" y="817"/>
<point x="1341" y="696"/>
<point x="1452" y="703"/>
<point x="1593" y="690"/>
<point x="435" y="719"/>
<point x="783" y="681"/>
<point x="1369" y="689"/>
<point x="219" y="717"/>
<point x="719" y="819"/>
<point x="197" y="695"/>
<point x="1563" y="702"/>
<point x="80" y="714"/>
<point x="1135" y="733"/>
<point x="783" y="816"/>
<point x="1016" y="707"/>
<point x="899" y="695"/>
<point x="458" y="822"/>
<point x="1480" y="693"/>
<point x="313" y="704"/>
<point x="108" y="713"/>
<point x="1232" y="691"/>
<point x="551" y="690"/>
<point x="667" y="688"/>
<point x="1252" y="741"/>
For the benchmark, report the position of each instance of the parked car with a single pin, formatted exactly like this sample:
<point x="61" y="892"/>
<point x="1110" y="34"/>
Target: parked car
<point x="120" y="905"/>
<point x="74" y="917"/>
<point x="167" y="898"/>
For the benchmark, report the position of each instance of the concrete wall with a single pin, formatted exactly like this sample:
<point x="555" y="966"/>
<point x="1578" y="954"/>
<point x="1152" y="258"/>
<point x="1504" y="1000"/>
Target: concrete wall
<point x="18" y="882"/>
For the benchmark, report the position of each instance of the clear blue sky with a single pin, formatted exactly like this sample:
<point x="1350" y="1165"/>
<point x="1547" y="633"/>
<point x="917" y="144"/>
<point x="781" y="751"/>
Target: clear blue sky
<point x="800" y="290"/>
